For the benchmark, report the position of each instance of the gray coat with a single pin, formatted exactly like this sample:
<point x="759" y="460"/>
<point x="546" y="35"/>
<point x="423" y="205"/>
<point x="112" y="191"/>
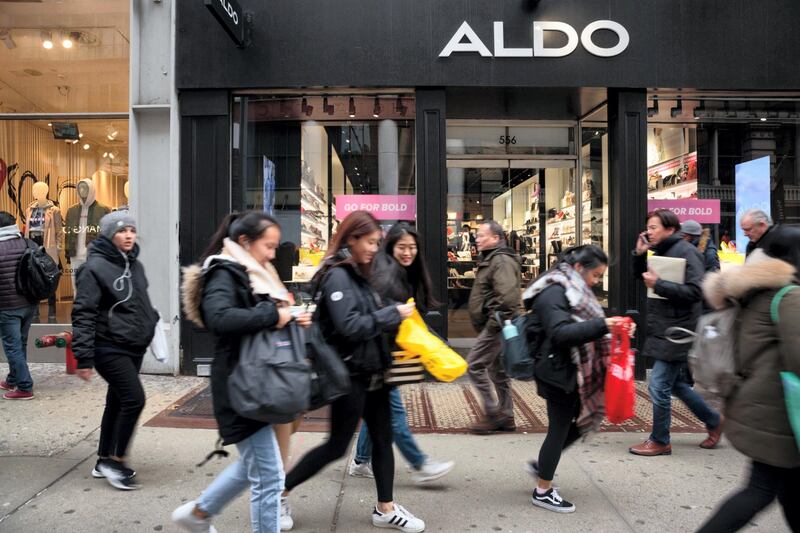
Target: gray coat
<point x="682" y="305"/>
<point x="756" y="420"/>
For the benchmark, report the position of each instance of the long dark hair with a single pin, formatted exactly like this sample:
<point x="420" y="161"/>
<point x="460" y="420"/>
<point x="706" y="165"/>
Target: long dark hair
<point x="355" y="225"/>
<point x="417" y="273"/>
<point x="588" y="256"/>
<point x="249" y="224"/>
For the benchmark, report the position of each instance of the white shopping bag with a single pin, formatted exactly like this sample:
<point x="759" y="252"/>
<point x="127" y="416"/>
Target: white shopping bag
<point x="159" y="345"/>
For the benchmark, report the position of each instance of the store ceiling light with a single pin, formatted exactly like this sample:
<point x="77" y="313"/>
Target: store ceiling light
<point x="86" y="146"/>
<point x="105" y="154"/>
<point x="763" y="119"/>
<point x="653" y="111"/>
<point x="676" y="111"/>
<point x="75" y="141"/>
<point x="376" y="110"/>
<point x="352" y="108"/>
<point x="66" y="40"/>
<point x="47" y="40"/>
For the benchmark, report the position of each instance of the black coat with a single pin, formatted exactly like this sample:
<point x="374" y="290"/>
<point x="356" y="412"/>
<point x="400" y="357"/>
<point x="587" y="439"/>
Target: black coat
<point x="683" y="304"/>
<point x="556" y="374"/>
<point x="763" y="242"/>
<point x="11" y="252"/>
<point x="111" y="310"/>
<point x="354" y="322"/>
<point x="230" y="310"/>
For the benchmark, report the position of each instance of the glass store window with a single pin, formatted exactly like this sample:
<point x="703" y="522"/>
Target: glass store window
<point x="64" y="63"/>
<point x="736" y="153"/>
<point x="311" y="160"/>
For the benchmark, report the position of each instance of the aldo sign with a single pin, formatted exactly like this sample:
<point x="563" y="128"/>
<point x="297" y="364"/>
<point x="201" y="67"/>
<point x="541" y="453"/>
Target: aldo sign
<point x="473" y="44"/>
<point x="229" y="13"/>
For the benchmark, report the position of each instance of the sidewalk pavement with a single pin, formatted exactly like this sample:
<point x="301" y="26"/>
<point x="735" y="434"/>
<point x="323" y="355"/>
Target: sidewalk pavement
<point x="47" y="451"/>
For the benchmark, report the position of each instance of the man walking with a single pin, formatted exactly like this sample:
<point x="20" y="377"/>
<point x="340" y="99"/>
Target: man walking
<point x="757" y="226"/>
<point x="496" y="290"/>
<point x="700" y="238"/>
<point x="677" y="305"/>
<point x="16" y="312"/>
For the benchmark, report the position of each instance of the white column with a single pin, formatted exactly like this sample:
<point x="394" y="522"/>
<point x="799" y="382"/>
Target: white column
<point x="153" y="163"/>
<point x="388" y="159"/>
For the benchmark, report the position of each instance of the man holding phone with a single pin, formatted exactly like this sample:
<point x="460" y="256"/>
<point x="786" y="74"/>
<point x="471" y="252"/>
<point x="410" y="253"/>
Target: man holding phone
<point x="679" y="305"/>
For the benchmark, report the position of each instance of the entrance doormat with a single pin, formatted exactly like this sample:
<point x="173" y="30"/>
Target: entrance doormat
<point x="439" y="408"/>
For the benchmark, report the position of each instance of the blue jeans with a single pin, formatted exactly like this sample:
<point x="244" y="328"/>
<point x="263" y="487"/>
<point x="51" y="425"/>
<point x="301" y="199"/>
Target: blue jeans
<point x="14" y="327"/>
<point x="666" y="379"/>
<point x="259" y="467"/>
<point x="401" y="434"/>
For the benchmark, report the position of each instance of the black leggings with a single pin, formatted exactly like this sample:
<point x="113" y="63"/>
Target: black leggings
<point x="374" y="408"/>
<point x="561" y="433"/>
<point x="766" y="483"/>
<point x="124" y="401"/>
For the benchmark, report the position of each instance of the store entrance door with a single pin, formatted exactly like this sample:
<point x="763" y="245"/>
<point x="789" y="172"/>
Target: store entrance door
<point x="534" y="201"/>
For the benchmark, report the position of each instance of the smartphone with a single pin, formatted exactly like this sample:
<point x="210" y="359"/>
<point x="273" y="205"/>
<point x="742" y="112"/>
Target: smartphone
<point x="644" y="238"/>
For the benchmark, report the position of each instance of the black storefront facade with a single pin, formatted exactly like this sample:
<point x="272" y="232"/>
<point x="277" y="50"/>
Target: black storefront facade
<point x="561" y="119"/>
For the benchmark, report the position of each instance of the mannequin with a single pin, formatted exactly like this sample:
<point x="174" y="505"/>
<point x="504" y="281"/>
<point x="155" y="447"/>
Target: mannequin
<point x="83" y="224"/>
<point x="126" y="190"/>
<point x="44" y="227"/>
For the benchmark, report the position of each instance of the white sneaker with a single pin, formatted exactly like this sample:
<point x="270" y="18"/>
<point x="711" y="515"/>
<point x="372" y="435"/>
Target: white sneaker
<point x="287" y="523"/>
<point x="183" y="517"/>
<point x="433" y="470"/>
<point x="361" y="470"/>
<point x="117" y="474"/>
<point x="400" y="519"/>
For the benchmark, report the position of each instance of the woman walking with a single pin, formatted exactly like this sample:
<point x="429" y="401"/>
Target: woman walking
<point x="113" y="323"/>
<point x="756" y="419"/>
<point x="236" y="293"/>
<point x="570" y="365"/>
<point x="355" y="323"/>
<point x="399" y="273"/>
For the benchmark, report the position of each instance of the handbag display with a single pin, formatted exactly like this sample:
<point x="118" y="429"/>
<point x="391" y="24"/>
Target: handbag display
<point x="330" y="379"/>
<point x="272" y="381"/>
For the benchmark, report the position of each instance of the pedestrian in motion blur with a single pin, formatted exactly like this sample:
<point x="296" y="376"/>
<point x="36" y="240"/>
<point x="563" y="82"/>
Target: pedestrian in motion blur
<point x="355" y="322"/>
<point x="399" y="272"/>
<point x="570" y="364"/>
<point x="496" y="290"/>
<point x="679" y="305"/>
<point x="757" y="226"/>
<point x="113" y="323"/>
<point x="237" y="292"/>
<point x="757" y="422"/>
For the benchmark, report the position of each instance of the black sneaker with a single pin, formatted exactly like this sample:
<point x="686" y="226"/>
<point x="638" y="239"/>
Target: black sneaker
<point x="116" y="474"/>
<point x="99" y="475"/>
<point x="552" y="501"/>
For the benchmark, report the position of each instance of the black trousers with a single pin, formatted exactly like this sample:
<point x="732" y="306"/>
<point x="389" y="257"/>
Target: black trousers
<point x="374" y="408"/>
<point x="124" y="400"/>
<point x="561" y="433"/>
<point x="766" y="483"/>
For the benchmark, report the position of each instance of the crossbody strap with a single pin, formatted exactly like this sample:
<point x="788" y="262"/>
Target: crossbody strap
<point x="776" y="302"/>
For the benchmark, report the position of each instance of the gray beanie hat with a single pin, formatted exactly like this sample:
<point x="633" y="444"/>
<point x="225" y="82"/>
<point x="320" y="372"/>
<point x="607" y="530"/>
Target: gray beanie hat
<point x="692" y="227"/>
<point x="115" y="222"/>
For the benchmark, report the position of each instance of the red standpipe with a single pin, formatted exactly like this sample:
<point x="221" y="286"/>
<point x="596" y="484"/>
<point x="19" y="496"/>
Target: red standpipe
<point x="60" y="340"/>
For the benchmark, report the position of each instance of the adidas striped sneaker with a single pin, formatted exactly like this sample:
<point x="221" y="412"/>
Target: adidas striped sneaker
<point x="399" y="518"/>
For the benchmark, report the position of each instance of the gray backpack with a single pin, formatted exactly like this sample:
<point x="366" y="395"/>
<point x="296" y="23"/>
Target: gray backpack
<point x="711" y="358"/>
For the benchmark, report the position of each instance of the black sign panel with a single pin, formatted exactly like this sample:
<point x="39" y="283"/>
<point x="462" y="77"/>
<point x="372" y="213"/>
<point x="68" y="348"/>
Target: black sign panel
<point x="229" y="13"/>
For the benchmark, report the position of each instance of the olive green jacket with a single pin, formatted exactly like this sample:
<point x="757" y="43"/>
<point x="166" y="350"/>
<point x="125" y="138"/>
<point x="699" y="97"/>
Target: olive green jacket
<point x="496" y="289"/>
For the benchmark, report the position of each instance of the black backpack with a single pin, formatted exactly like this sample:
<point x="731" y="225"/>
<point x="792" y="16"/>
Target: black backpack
<point x="37" y="273"/>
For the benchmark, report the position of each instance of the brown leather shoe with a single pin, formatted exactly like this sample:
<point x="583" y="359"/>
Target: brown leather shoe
<point x="651" y="448"/>
<point x="507" y="424"/>
<point x="714" y="435"/>
<point x="486" y="426"/>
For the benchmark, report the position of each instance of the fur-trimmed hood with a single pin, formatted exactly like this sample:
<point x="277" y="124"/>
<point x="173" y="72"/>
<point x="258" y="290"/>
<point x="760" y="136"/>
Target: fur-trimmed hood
<point x="192" y="287"/>
<point x="760" y="272"/>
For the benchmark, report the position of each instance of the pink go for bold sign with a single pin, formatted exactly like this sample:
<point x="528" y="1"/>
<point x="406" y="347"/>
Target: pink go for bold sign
<point x="702" y="211"/>
<point x="381" y="206"/>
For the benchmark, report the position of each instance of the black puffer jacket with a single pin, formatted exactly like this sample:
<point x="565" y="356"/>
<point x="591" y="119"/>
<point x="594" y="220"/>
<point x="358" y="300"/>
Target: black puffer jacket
<point x="230" y="311"/>
<point x="112" y="308"/>
<point x="556" y="374"/>
<point x="682" y="305"/>
<point x="353" y="320"/>
<point x="10" y="253"/>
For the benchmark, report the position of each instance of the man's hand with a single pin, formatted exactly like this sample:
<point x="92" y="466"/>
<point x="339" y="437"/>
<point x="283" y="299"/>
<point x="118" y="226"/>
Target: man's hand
<point x="284" y="317"/>
<point x="406" y="310"/>
<point x="650" y="278"/>
<point x="642" y="244"/>
<point x="303" y="319"/>
<point x="85" y="373"/>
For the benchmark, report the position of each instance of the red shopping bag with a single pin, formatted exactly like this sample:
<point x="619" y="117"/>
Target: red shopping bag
<point x="620" y="387"/>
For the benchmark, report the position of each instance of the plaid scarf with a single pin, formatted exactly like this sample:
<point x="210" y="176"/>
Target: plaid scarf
<point x="591" y="358"/>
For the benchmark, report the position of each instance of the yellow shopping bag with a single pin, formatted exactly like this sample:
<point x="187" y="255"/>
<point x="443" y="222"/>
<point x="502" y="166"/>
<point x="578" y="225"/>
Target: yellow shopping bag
<point x="438" y="358"/>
